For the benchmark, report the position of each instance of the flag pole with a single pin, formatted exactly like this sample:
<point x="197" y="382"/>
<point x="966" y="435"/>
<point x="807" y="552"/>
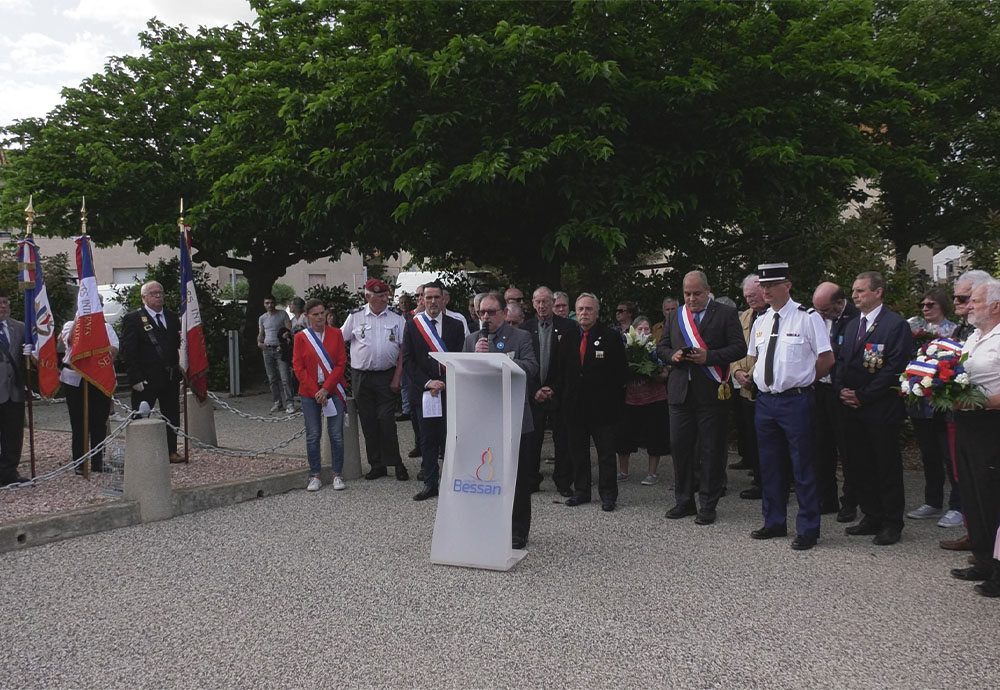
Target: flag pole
<point x="86" y="397"/>
<point x="184" y="388"/>
<point x="29" y="218"/>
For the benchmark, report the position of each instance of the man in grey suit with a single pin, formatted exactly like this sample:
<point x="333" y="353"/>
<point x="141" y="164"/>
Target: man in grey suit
<point x="497" y="336"/>
<point x="700" y="340"/>
<point x="11" y="394"/>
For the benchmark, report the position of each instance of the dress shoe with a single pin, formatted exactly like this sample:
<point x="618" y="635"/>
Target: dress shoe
<point x="402" y="417"/>
<point x="176" y="459"/>
<point x="420" y="476"/>
<point x="865" y="527"/>
<point x="770" y="532"/>
<point x="803" y="542"/>
<point x="887" y="536"/>
<point x="565" y="493"/>
<point x="847" y="514"/>
<point x="16" y="479"/>
<point x="577" y="500"/>
<point x="608" y="506"/>
<point x="518" y="542"/>
<point x="705" y="517"/>
<point x="753" y="493"/>
<point x="376" y="472"/>
<point x="971" y="560"/>
<point x="971" y="574"/>
<point x="990" y="588"/>
<point x="742" y="464"/>
<point x="679" y="511"/>
<point x="425" y="493"/>
<point x="401" y="473"/>
<point x="414" y="453"/>
<point x="960" y="544"/>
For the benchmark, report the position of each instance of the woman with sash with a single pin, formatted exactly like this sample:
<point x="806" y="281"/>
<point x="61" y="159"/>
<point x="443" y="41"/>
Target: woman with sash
<point x="319" y="363"/>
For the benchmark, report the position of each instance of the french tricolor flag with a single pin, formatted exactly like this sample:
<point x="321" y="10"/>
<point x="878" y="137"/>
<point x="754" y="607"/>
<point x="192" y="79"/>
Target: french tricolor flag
<point x="921" y="369"/>
<point x="193" y="356"/>
<point x="91" y="356"/>
<point x="39" y="324"/>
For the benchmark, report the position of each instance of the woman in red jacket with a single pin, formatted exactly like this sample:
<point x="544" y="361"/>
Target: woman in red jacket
<point x="319" y="361"/>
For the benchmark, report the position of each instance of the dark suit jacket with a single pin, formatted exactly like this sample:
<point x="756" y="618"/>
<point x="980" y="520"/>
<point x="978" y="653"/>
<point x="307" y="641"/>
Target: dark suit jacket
<point x="720" y="329"/>
<point x="418" y="365"/>
<point x="142" y="360"/>
<point x="879" y="402"/>
<point x="517" y="346"/>
<point x="12" y="366"/>
<point x="837" y="330"/>
<point x="565" y="344"/>
<point x="595" y="392"/>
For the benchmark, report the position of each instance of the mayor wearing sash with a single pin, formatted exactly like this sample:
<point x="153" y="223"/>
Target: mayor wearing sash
<point x="429" y="331"/>
<point x="320" y="360"/>
<point x="701" y="340"/>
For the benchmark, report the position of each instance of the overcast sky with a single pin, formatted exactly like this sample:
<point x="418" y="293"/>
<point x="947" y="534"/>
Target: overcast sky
<point x="48" y="44"/>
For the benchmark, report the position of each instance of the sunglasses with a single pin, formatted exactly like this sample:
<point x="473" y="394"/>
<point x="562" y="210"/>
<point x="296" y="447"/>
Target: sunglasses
<point x="488" y="312"/>
<point x="962" y="299"/>
<point x="928" y="305"/>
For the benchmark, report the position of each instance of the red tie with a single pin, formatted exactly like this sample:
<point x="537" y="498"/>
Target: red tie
<point x="583" y="346"/>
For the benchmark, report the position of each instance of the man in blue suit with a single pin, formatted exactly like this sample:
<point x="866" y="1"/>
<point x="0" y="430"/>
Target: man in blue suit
<point x="876" y="349"/>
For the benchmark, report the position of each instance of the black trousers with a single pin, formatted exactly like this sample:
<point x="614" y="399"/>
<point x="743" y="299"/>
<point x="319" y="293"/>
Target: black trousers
<point x="542" y="417"/>
<point x="698" y="442"/>
<point x="11" y="439"/>
<point x="167" y="397"/>
<point x="580" y="434"/>
<point x="746" y="427"/>
<point x="377" y="413"/>
<point x="520" y="517"/>
<point x="97" y="419"/>
<point x="831" y="446"/>
<point x="875" y="463"/>
<point x="430" y="442"/>
<point x="935" y="452"/>
<point x="977" y="450"/>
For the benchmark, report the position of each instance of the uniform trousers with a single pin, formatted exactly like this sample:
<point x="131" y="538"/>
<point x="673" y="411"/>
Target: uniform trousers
<point x="698" y="445"/>
<point x="431" y="442"/>
<point x="562" y="473"/>
<point x="875" y="465"/>
<point x="831" y="443"/>
<point x="11" y="439"/>
<point x="785" y="437"/>
<point x="167" y="397"/>
<point x="580" y="432"/>
<point x="377" y="412"/>
<point x="977" y="448"/>
<point x="520" y="517"/>
<point x="99" y="407"/>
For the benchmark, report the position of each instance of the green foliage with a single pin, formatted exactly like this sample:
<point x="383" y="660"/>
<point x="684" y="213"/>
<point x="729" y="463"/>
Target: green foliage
<point x="283" y="293"/>
<point x="55" y="269"/>
<point x="242" y="290"/>
<point x="338" y="298"/>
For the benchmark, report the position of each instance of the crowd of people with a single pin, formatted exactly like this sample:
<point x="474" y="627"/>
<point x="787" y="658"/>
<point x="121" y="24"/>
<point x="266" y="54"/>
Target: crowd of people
<point x="808" y="389"/>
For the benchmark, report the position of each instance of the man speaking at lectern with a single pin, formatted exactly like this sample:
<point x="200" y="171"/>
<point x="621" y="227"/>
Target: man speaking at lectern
<point x="497" y="336"/>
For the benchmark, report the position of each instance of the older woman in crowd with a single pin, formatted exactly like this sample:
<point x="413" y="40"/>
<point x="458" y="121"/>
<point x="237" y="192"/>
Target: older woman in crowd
<point x="930" y="427"/>
<point x="977" y="441"/>
<point x="644" y="423"/>
<point x="319" y="363"/>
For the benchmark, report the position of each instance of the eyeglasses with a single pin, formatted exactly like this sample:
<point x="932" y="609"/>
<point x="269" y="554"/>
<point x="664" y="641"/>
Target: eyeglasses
<point x="488" y="312"/>
<point x="962" y="299"/>
<point x="928" y="305"/>
<point x="157" y="293"/>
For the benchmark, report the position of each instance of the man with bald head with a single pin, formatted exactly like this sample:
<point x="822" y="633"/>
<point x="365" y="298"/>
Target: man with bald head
<point x="700" y="340"/>
<point x="832" y="304"/>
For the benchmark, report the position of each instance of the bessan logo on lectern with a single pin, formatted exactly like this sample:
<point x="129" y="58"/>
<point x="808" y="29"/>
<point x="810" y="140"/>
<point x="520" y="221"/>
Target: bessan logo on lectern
<point x="483" y="480"/>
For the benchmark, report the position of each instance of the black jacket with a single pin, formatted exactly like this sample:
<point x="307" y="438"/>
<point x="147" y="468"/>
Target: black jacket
<point x="418" y="365"/>
<point x="144" y="361"/>
<point x="594" y="392"/>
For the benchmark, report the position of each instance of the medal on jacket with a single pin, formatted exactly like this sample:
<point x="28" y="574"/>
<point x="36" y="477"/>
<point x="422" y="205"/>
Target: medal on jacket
<point x="146" y="325"/>
<point x="725" y="391"/>
<point x="874" y="357"/>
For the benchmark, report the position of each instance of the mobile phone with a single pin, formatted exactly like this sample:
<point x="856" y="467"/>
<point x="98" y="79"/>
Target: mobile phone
<point x="687" y="351"/>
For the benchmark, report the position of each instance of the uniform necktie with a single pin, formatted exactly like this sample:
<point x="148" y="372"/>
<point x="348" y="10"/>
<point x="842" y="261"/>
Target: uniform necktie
<point x="862" y="329"/>
<point x="772" y="347"/>
<point x="159" y="321"/>
<point x="583" y="346"/>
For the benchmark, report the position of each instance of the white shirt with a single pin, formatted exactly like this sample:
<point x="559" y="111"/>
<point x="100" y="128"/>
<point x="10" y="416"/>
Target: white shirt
<point x="375" y="338"/>
<point x="802" y="337"/>
<point x="983" y="363"/>
<point x="66" y="374"/>
<point x="870" y="316"/>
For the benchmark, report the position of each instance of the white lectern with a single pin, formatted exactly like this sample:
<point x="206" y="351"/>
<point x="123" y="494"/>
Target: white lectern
<point x="476" y="494"/>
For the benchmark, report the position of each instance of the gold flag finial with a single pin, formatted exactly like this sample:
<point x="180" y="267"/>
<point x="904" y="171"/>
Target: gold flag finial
<point x="29" y="214"/>
<point x="83" y="215"/>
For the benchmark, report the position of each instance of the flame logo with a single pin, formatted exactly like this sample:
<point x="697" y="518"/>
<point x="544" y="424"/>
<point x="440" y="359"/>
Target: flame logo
<point x="487" y="462"/>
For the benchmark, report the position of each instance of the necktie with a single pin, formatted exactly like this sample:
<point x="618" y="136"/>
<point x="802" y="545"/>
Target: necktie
<point x="772" y="347"/>
<point x="543" y="352"/>
<point x="3" y="336"/>
<point x="434" y="325"/>
<point x="862" y="330"/>
<point x="583" y="346"/>
<point x="159" y="321"/>
<point x="697" y="317"/>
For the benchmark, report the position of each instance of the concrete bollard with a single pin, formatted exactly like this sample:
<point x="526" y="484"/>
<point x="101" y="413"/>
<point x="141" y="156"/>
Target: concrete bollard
<point x="352" y="449"/>
<point x="147" y="469"/>
<point x="201" y="420"/>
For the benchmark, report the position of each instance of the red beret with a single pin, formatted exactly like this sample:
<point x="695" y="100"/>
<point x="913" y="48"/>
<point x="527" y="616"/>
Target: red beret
<point x="377" y="286"/>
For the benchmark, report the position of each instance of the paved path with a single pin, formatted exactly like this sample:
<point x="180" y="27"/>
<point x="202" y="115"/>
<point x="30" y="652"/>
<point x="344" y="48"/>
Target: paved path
<point x="334" y="590"/>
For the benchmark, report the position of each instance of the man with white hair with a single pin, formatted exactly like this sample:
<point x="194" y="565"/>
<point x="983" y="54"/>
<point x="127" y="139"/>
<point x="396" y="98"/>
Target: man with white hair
<point x="977" y="440"/>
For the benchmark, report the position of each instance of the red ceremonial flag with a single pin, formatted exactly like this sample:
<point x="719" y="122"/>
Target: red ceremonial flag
<point x="193" y="357"/>
<point x="39" y="326"/>
<point x="91" y="356"/>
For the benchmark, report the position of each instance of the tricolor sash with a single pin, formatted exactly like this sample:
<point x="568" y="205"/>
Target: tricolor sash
<point x="427" y="332"/>
<point x="921" y="369"/>
<point x="324" y="360"/>
<point x="689" y="330"/>
<point x="948" y="344"/>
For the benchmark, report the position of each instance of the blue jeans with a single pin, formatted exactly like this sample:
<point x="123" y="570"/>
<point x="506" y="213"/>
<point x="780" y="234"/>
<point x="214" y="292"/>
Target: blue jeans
<point x="312" y="412"/>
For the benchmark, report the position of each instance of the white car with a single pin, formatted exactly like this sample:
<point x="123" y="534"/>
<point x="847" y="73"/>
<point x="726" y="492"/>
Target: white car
<point x="113" y="309"/>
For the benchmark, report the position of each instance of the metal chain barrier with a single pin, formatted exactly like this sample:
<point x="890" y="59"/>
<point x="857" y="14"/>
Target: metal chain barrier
<point x="47" y="401"/>
<point x="270" y="420"/>
<point x="73" y="464"/>
<point x="225" y="451"/>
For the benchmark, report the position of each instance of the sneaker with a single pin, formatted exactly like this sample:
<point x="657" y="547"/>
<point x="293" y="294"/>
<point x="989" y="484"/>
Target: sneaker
<point x="276" y="407"/>
<point x="314" y="484"/>
<point x="338" y="484"/>
<point x="650" y="480"/>
<point x="924" y="512"/>
<point x="290" y="409"/>
<point x="623" y="476"/>
<point x="952" y="518"/>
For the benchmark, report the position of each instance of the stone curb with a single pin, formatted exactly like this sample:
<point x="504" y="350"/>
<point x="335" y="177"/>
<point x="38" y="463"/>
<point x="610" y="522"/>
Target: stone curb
<point x="45" y="529"/>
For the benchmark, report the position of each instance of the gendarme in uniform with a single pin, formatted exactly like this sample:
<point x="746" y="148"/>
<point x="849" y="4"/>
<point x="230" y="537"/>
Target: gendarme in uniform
<point x="374" y="333"/>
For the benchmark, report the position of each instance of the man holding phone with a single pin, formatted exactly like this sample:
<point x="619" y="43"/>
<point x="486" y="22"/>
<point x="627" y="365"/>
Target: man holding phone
<point x="700" y="340"/>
